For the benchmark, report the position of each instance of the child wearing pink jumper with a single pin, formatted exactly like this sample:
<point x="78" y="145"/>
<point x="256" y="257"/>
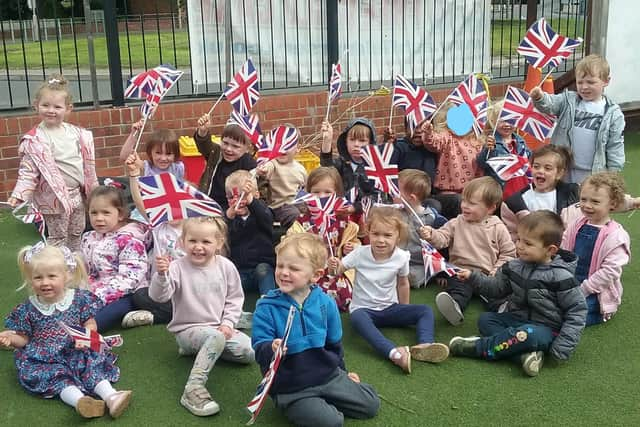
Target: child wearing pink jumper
<point x="206" y="294"/>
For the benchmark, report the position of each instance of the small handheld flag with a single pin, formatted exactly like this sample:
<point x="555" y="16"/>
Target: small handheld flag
<point x="278" y="142"/>
<point x="379" y="168"/>
<point x="417" y="103"/>
<point x="434" y="262"/>
<point x="518" y="109"/>
<point x="541" y="46"/>
<point x="508" y="167"/>
<point x="472" y="92"/>
<point x="243" y="90"/>
<point x="250" y="125"/>
<point x="33" y="216"/>
<point x="89" y="338"/>
<point x="256" y="404"/>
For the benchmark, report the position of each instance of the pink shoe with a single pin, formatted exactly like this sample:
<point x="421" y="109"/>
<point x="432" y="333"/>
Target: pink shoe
<point x="118" y="402"/>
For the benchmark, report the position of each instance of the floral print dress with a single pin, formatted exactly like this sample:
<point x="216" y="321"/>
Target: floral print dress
<point x="50" y="362"/>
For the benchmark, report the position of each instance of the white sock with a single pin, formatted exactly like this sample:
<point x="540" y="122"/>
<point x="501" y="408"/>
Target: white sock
<point x="104" y="389"/>
<point x="394" y="354"/>
<point x="70" y="395"/>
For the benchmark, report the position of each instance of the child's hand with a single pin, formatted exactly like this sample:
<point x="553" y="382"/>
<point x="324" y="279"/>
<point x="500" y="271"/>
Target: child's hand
<point x="249" y="190"/>
<point x="536" y="93"/>
<point x="635" y="204"/>
<point x="607" y="316"/>
<point x="277" y="343"/>
<point x="13" y="202"/>
<point x="463" y="274"/>
<point x="226" y="331"/>
<point x="203" y="125"/>
<point x="491" y="142"/>
<point x="389" y="135"/>
<point x="134" y="164"/>
<point x="5" y="339"/>
<point x="347" y="248"/>
<point x="327" y="133"/>
<point x="162" y="264"/>
<point x="427" y="128"/>
<point x="136" y="126"/>
<point x="354" y="377"/>
<point x="333" y="263"/>
<point x="231" y="211"/>
<point x="425" y="232"/>
<point x="261" y="170"/>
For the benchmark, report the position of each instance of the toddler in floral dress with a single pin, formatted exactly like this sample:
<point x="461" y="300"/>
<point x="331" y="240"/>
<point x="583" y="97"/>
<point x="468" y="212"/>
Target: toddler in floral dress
<point x="47" y="361"/>
<point x="115" y="256"/>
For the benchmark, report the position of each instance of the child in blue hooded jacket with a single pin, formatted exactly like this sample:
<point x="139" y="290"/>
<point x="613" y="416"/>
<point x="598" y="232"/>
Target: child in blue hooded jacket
<point x="311" y="385"/>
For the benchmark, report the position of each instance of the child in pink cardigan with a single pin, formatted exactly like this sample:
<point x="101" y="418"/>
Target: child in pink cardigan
<point x="456" y="161"/>
<point x="601" y="244"/>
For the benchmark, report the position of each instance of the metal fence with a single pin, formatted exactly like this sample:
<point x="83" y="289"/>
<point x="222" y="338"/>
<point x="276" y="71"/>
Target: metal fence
<point x="292" y="43"/>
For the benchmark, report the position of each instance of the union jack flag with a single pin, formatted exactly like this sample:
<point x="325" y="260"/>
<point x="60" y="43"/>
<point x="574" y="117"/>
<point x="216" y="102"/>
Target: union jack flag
<point x="278" y="142"/>
<point x="141" y="85"/>
<point x="366" y="203"/>
<point x="417" y="103"/>
<point x="165" y="198"/>
<point x="150" y="104"/>
<point x="33" y="216"/>
<point x="335" y="84"/>
<point x="379" y="168"/>
<point x="519" y="110"/>
<point x="250" y="125"/>
<point x="89" y="338"/>
<point x="434" y="262"/>
<point x="256" y="404"/>
<point x="508" y="167"/>
<point x="352" y="195"/>
<point x="541" y="46"/>
<point x="471" y="92"/>
<point x="322" y="210"/>
<point x="243" y="91"/>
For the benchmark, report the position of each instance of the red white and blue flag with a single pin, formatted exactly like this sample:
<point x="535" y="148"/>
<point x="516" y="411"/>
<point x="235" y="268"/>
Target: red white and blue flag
<point x="417" y="103"/>
<point x="541" y="46"/>
<point x="279" y="141"/>
<point x="250" y="125"/>
<point x="33" y="216"/>
<point x="335" y="84"/>
<point x="150" y="104"/>
<point x="379" y="168"/>
<point x="89" y="338"/>
<point x="243" y="90"/>
<point x="165" y="198"/>
<point x="322" y="210"/>
<point x="472" y="92"/>
<point x="143" y="84"/>
<point x="434" y="262"/>
<point x="256" y="404"/>
<point x="508" y="167"/>
<point x="519" y="110"/>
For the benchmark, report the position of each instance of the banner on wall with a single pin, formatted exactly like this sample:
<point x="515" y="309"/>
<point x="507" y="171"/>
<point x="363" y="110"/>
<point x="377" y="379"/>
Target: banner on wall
<point x="377" y="39"/>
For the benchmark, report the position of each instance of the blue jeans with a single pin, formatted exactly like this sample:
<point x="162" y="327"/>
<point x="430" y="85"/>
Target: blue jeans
<point x="111" y="314"/>
<point x="261" y="278"/>
<point x="593" y="310"/>
<point x="505" y="336"/>
<point x="366" y="323"/>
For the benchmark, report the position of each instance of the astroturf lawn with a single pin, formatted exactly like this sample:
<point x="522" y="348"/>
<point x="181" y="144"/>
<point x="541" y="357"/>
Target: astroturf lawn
<point x="598" y="386"/>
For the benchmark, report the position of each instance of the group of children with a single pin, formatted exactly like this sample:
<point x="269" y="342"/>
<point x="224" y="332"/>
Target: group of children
<point x="549" y="267"/>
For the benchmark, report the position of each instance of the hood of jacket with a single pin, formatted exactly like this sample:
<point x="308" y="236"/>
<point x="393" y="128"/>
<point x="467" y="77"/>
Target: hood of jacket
<point x="342" y="138"/>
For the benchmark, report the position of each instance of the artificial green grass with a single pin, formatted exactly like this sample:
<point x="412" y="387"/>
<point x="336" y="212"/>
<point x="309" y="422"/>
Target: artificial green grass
<point x="597" y="386"/>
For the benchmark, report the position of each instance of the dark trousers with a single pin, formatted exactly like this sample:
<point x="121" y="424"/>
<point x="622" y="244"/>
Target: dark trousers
<point x="450" y="204"/>
<point x="593" y="310"/>
<point x="162" y="311"/>
<point x="111" y="315"/>
<point x="261" y="278"/>
<point x="505" y="336"/>
<point x="328" y="404"/>
<point x="366" y="323"/>
<point x="460" y="291"/>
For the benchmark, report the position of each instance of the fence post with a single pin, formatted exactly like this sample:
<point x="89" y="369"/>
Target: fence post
<point x="113" y="52"/>
<point x="332" y="34"/>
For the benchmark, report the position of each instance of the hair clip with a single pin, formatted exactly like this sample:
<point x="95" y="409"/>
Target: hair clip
<point x="69" y="259"/>
<point x="112" y="183"/>
<point x="54" y="81"/>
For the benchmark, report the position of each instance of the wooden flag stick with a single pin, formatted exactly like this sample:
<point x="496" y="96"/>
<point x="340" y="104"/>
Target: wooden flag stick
<point x="545" y="78"/>
<point x="415" y="214"/>
<point x="144" y="123"/>
<point x="216" y="103"/>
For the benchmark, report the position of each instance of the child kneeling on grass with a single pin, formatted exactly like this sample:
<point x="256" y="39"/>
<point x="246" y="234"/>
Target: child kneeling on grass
<point x="546" y="310"/>
<point x="207" y="298"/>
<point x="311" y="386"/>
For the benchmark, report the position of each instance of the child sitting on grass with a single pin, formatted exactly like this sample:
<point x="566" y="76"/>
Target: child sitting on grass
<point x="312" y="386"/>
<point x="603" y="247"/>
<point x="546" y="310"/>
<point x="476" y="239"/>
<point x="381" y="292"/>
<point x="47" y="360"/>
<point x="206" y="295"/>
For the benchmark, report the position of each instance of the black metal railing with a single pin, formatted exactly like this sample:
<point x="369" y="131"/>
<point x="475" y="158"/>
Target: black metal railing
<point x="291" y="42"/>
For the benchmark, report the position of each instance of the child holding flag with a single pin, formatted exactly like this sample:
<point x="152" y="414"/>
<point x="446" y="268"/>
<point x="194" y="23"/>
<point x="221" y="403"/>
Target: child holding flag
<point x="311" y="386"/>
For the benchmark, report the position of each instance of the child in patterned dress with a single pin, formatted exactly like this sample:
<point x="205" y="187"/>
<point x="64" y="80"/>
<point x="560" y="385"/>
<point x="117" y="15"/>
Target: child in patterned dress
<point x="47" y="361"/>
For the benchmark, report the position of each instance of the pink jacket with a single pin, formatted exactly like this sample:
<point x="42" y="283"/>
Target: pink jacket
<point x="483" y="246"/>
<point x="611" y="252"/>
<point x="40" y="180"/>
<point x="456" y="159"/>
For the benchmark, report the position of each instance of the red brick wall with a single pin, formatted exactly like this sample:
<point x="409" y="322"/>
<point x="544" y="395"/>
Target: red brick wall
<point x="111" y="126"/>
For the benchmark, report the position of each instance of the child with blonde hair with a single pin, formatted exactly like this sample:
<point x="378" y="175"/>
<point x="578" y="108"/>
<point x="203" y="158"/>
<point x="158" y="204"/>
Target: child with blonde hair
<point x="46" y="358"/>
<point x="206" y="294"/>
<point x="588" y="122"/>
<point x="456" y="160"/>
<point x="57" y="166"/>
<point x="381" y="292"/>
<point x="312" y="385"/>
<point x="476" y="239"/>
<point x="602" y="245"/>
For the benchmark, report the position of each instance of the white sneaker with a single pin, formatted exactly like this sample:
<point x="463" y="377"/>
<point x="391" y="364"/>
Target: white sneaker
<point x="532" y="363"/>
<point x="449" y="308"/>
<point x="198" y="401"/>
<point x="137" y="318"/>
<point x="246" y="320"/>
